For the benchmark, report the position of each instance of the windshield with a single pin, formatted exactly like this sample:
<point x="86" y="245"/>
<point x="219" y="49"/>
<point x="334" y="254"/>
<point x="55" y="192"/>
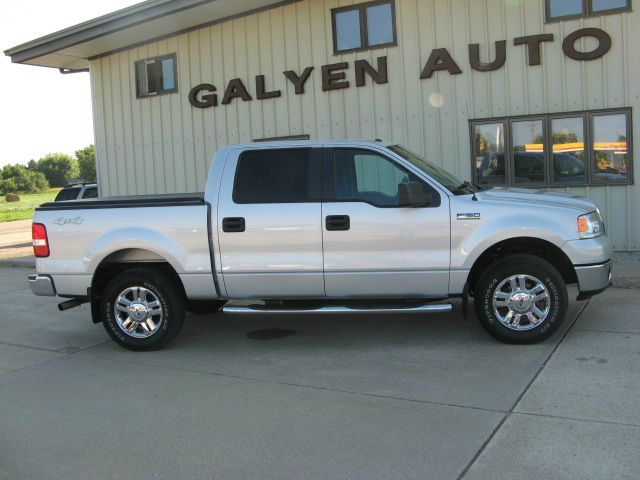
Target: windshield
<point x="444" y="178"/>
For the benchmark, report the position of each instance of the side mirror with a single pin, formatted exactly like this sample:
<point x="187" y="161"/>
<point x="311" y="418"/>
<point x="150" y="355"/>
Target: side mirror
<point x="413" y="194"/>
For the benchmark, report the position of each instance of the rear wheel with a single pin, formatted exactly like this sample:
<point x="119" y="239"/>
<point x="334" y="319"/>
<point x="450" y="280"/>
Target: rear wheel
<point x="521" y="299"/>
<point x="142" y="309"/>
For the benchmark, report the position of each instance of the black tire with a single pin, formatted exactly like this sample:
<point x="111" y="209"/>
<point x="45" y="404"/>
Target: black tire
<point x="533" y="268"/>
<point x="159" y="289"/>
<point x="204" y="306"/>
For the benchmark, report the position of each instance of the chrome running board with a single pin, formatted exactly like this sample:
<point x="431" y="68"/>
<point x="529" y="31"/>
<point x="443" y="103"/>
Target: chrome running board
<point x="429" y="308"/>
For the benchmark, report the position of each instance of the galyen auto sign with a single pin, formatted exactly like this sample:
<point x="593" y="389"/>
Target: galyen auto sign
<point x="334" y="76"/>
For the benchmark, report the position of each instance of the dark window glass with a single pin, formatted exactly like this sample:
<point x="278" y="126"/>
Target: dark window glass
<point x="528" y="151"/>
<point x="610" y="148"/>
<point x="361" y="175"/>
<point x="488" y="153"/>
<point x="582" y="148"/>
<point x="379" y="24"/>
<point x="567" y="139"/>
<point x="67" y="194"/>
<point x="348" y="30"/>
<point x="90" y="193"/>
<point x="362" y="26"/>
<point x="155" y="76"/>
<point x="564" y="8"/>
<point x="277" y="176"/>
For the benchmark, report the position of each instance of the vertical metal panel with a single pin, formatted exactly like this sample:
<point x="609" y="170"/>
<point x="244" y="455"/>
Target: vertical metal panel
<point x="163" y="144"/>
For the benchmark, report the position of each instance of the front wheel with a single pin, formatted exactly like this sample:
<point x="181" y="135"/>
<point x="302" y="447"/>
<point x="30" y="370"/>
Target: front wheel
<point x="521" y="299"/>
<point x="142" y="309"/>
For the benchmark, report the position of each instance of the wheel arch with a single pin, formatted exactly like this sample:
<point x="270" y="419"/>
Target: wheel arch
<point x="127" y="259"/>
<point x="527" y="245"/>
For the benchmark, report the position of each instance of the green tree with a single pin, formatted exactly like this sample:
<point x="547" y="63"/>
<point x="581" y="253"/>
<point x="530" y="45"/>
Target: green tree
<point x="57" y="167"/>
<point x="87" y="162"/>
<point x="19" y="179"/>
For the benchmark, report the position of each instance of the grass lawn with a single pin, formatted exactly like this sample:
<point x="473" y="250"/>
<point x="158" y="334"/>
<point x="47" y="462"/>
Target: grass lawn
<point x="23" y="209"/>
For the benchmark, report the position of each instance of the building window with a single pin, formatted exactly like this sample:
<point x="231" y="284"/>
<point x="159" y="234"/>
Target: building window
<point x="156" y="76"/>
<point x="554" y="150"/>
<point x="364" y="26"/>
<point x="567" y="9"/>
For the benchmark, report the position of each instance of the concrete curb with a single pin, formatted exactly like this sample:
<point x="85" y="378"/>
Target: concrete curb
<point x="26" y="262"/>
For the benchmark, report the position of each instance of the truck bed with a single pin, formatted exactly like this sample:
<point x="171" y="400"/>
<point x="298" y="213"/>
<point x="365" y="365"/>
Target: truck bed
<point x="137" y="201"/>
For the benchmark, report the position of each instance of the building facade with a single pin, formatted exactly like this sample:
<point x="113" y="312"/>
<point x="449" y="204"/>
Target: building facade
<point x="530" y="93"/>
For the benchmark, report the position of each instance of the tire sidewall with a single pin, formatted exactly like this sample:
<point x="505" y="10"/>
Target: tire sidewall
<point x="159" y="285"/>
<point x="527" y="265"/>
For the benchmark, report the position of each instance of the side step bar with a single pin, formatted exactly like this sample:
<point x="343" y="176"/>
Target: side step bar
<point x="430" y="308"/>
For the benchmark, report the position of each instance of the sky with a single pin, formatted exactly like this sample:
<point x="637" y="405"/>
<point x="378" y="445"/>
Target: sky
<point x="41" y="110"/>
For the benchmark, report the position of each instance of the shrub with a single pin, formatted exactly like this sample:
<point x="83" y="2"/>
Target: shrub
<point x="18" y="178"/>
<point x="57" y="167"/>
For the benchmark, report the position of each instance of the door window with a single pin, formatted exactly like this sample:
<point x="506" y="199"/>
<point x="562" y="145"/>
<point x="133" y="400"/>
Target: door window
<point x="364" y="176"/>
<point x="278" y="176"/>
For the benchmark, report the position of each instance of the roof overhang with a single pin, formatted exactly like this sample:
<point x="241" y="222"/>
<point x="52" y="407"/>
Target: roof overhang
<point x="74" y="47"/>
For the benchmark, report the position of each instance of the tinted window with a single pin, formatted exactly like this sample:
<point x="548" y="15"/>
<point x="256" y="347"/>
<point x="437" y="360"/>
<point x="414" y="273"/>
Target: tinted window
<point x="67" y="194"/>
<point x="528" y="147"/>
<point x="91" y="192"/>
<point x="611" y="162"/>
<point x="361" y="175"/>
<point x="567" y="136"/>
<point x="488" y="152"/>
<point x="364" y="25"/>
<point x="277" y="176"/>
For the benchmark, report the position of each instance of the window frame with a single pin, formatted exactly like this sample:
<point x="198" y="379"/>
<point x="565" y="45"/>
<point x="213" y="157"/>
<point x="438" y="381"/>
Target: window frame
<point x="328" y="178"/>
<point x="587" y="122"/>
<point x="314" y="159"/>
<point x="587" y="11"/>
<point x="157" y="59"/>
<point x="364" y="33"/>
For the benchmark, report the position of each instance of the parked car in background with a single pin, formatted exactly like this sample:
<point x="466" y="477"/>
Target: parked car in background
<point x="78" y="191"/>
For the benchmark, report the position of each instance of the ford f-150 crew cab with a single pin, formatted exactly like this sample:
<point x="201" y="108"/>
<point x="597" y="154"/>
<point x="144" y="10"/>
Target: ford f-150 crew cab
<point x="322" y="227"/>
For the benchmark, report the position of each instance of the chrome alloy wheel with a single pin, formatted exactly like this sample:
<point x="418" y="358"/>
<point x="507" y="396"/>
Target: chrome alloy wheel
<point x="521" y="302"/>
<point x="138" y="312"/>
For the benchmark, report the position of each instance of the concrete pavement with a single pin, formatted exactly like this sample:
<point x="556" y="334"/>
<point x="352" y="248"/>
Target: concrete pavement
<point x="363" y="396"/>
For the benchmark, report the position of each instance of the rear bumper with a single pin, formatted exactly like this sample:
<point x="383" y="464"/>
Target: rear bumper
<point x="593" y="279"/>
<point x="42" y="285"/>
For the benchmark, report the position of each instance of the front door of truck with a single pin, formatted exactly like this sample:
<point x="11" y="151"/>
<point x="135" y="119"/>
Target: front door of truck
<point x="373" y="247"/>
<point x="269" y="223"/>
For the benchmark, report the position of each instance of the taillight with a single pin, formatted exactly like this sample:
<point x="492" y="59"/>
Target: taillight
<point x="40" y="240"/>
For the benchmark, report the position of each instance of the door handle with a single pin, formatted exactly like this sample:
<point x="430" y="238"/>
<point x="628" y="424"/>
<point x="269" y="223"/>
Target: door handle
<point x="233" y="224"/>
<point x="338" y="222"/>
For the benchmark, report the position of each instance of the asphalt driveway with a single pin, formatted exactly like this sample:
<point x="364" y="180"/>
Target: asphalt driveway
<point x="357" y="397"/>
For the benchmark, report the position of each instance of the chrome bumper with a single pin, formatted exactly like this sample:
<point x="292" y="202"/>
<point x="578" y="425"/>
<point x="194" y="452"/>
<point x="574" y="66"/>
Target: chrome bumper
<point x="42" y="285"/>
<point x="593" y="278"/>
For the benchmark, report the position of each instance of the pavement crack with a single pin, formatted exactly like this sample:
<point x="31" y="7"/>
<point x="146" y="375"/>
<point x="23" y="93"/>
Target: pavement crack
<point x="509" y="412"/>
<point x="301" y="385"/>
<point x="578" y="419"/>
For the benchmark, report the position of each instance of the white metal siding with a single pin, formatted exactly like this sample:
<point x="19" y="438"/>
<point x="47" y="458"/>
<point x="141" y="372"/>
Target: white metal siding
<point x="163" y="144"/>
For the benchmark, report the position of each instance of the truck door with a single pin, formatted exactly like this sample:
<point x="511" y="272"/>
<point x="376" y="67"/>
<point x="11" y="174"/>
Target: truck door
<point x="269" y="223"/>
<point x="373" y="247"/>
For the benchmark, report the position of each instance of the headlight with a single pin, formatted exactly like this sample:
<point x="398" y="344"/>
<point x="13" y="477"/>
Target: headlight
<point x="590" y="225"/>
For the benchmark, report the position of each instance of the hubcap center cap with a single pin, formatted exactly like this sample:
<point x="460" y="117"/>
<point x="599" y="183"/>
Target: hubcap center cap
<point x="138" y="312"/>
<point x="521" y="302"/>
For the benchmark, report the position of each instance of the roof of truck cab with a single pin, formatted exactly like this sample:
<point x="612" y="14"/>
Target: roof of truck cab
<point x="307" y="144"/>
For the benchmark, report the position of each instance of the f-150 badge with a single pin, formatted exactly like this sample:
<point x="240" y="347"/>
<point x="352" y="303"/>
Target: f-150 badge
<point x="469" y="216"/>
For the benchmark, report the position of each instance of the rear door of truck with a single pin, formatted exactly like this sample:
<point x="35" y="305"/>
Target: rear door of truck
<point x="269" y="223"/>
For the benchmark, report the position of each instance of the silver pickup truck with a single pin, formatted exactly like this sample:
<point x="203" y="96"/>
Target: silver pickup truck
<point x="319" y="227"/>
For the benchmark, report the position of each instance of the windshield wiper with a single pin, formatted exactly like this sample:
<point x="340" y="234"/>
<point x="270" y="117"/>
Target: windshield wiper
<point x="466" y="187"/>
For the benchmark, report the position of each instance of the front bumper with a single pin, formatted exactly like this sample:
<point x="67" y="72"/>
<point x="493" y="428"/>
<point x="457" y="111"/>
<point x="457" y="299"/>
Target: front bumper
<point x="594" y="278"/>
<point x="42" y="285"/>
